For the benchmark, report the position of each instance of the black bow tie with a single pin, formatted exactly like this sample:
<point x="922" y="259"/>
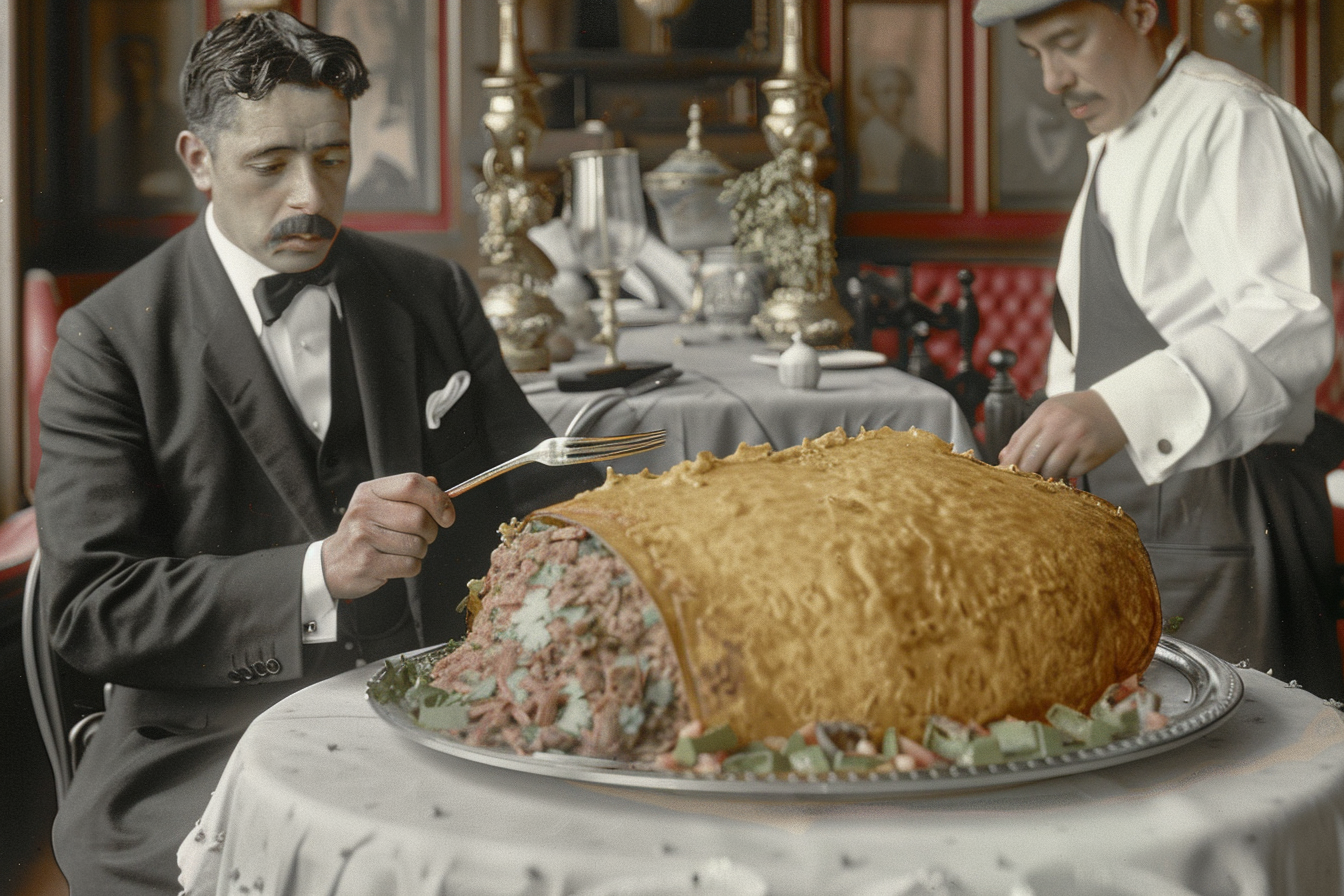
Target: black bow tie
<point x="274" y="293"/>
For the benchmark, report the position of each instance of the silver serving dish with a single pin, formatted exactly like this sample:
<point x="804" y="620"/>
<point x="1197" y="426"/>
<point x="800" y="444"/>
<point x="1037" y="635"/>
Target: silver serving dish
<point x="1198" y="692"/>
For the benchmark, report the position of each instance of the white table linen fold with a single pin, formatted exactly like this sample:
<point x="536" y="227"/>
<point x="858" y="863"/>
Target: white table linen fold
<point x="724" y="398"/>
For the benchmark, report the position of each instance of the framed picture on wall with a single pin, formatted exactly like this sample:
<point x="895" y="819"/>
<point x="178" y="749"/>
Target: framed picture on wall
<point x="396" y="126"/>
<point x="134" y="52"/>
<point x="1039" y="151"/>
<point x="897" y="103"/>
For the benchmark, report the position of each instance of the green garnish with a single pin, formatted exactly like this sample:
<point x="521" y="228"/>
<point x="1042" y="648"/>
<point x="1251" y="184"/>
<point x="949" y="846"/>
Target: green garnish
<point x="715" y="739"/>
<point x="403" y="673"/>
<point x="809" y="760"/>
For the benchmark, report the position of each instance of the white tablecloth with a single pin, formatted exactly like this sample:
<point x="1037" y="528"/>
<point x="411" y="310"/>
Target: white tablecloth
<point x="724" y="398"/>
<point x="322" y="796"/>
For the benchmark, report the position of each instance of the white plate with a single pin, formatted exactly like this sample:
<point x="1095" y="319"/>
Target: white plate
<point x="835" y="359"/>
<point x="1198" y="691"/>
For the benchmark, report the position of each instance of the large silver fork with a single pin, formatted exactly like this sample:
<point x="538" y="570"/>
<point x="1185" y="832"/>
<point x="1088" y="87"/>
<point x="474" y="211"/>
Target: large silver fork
<point x="563" y="450"/>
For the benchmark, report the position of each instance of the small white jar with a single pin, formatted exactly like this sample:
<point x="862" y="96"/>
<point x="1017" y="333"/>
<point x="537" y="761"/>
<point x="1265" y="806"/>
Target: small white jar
<point x="800" y="365"/>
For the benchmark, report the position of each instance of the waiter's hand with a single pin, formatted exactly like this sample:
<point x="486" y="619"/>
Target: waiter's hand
<point x="385" y="533"/>
<point x="1065" y="437"/>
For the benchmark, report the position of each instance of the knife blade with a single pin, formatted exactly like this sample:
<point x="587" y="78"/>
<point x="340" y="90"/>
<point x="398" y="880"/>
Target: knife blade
<point x="598" y="405"/>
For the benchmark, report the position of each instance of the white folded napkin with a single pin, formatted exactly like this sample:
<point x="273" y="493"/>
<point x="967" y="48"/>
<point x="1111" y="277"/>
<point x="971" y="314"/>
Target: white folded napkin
<point x="439" y="402"/>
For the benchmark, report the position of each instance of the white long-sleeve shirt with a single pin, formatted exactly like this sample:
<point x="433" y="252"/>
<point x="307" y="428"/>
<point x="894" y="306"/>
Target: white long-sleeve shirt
<point x="1224" y="203"/>
<point x="298" y="346"/>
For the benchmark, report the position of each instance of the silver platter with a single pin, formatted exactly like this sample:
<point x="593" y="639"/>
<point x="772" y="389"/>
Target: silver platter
<point x="1198" y="692"/>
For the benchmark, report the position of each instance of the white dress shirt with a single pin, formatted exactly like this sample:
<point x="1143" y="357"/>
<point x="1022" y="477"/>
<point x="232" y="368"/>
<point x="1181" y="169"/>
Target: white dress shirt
<point x="298" y="346"/>
<point x="1224" y="203"/>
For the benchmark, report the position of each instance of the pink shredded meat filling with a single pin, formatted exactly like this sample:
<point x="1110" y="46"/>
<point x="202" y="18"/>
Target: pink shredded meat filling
<point x="568" y="652"/>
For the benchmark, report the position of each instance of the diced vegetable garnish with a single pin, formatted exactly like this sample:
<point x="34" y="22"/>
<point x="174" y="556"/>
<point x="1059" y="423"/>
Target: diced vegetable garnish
<point x="1081" y="729"/>
<point x="853" y="762"/>
<point x="809" y="760"/>
<point x="1026" y="740"/>
<point x="982" y="750"/>
<point x="763" y="761"/>
<point x="946" y="737"/>
<point x="715" y="739"/>
<point x="1015" y="736"/>
<point x="817" y="748"/>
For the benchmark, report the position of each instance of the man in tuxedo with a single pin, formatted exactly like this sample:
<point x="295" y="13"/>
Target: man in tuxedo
<point x="239" y="492"/>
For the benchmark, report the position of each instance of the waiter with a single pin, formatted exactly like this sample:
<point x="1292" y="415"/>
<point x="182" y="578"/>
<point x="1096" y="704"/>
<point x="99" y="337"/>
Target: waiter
<point x="1192" y="326"/>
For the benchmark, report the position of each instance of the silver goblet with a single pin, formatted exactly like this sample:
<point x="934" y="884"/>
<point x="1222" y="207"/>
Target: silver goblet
<point x="607" y="225"/>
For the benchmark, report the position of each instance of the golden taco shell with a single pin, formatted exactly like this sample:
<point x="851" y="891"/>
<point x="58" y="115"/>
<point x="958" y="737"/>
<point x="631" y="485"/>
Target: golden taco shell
<point x="879" y="579"/>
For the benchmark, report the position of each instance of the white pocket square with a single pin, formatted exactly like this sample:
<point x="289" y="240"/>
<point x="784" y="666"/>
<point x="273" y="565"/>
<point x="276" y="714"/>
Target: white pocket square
<point x="439" y="402"/>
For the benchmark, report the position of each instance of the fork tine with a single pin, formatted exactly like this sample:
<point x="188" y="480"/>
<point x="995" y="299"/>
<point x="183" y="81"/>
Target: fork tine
<point x="614" y="441"/>
<point x="611" y="441"/>
<point x="582" y="441"/>
<point x="561" y="450"/>
<point x="612" y="455"/>
<point x="630" y="446"/>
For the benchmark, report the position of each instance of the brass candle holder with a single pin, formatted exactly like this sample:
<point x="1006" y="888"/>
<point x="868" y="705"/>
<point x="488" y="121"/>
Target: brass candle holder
<point x="782" y="212"/>
<point x="517" y="303"/>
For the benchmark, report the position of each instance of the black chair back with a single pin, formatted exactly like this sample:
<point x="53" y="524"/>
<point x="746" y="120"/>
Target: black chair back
<point x="68" y="705"/>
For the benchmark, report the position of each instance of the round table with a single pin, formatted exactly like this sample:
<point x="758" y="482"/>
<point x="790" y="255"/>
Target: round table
<point x="324" y="796"/>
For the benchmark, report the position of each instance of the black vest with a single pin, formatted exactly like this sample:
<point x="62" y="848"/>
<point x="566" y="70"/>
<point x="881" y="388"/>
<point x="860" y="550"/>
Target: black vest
<point x="378" y="624"/>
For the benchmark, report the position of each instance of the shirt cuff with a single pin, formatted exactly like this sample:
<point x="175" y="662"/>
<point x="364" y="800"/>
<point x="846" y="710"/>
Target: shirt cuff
<point x="318" y="608"/>
<point x="1162" y="410"/>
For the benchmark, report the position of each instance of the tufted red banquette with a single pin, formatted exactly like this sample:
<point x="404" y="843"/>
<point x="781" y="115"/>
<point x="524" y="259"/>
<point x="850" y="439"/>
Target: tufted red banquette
<point x="1014" y="303"/>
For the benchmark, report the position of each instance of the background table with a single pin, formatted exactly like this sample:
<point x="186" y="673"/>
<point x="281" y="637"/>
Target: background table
<point x="723" y="398"/>
<point x="323" y="796"/>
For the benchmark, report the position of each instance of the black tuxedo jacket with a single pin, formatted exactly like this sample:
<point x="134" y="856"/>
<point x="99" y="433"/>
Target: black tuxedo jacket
<point x="176" y="499"/>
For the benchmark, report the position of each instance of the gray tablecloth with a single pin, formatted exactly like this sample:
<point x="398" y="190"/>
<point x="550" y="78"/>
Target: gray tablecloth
<point x="724" y="398"/>
<point x="322" y="796"/>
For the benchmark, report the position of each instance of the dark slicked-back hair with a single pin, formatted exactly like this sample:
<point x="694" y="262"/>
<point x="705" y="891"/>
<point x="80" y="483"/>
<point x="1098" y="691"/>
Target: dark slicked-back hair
<point x="249" y="55"/>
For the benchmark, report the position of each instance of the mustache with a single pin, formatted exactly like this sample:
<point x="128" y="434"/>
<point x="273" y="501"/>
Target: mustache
<point x="306" y="225"/>
<point x="1072" y="98"/>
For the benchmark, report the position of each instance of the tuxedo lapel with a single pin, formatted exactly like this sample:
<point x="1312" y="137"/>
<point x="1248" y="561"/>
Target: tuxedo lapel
<point x="238" y="371"/>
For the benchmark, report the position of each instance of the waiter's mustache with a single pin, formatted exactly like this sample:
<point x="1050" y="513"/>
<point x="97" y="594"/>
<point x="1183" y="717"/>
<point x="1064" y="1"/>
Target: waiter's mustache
<point x="305" y="225"/>
<point x="1071" y="98"/>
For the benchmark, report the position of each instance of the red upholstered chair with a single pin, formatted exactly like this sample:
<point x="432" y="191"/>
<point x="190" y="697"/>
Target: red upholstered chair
<point x="65" y="704"/>
<point x="18" y="541"/>
<point x="18" y="534"/>
<point x="43" y="303"/>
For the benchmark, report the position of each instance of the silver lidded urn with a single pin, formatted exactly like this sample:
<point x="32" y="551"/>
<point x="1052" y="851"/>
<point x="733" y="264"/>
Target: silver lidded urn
<point x="687" y="195"/>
